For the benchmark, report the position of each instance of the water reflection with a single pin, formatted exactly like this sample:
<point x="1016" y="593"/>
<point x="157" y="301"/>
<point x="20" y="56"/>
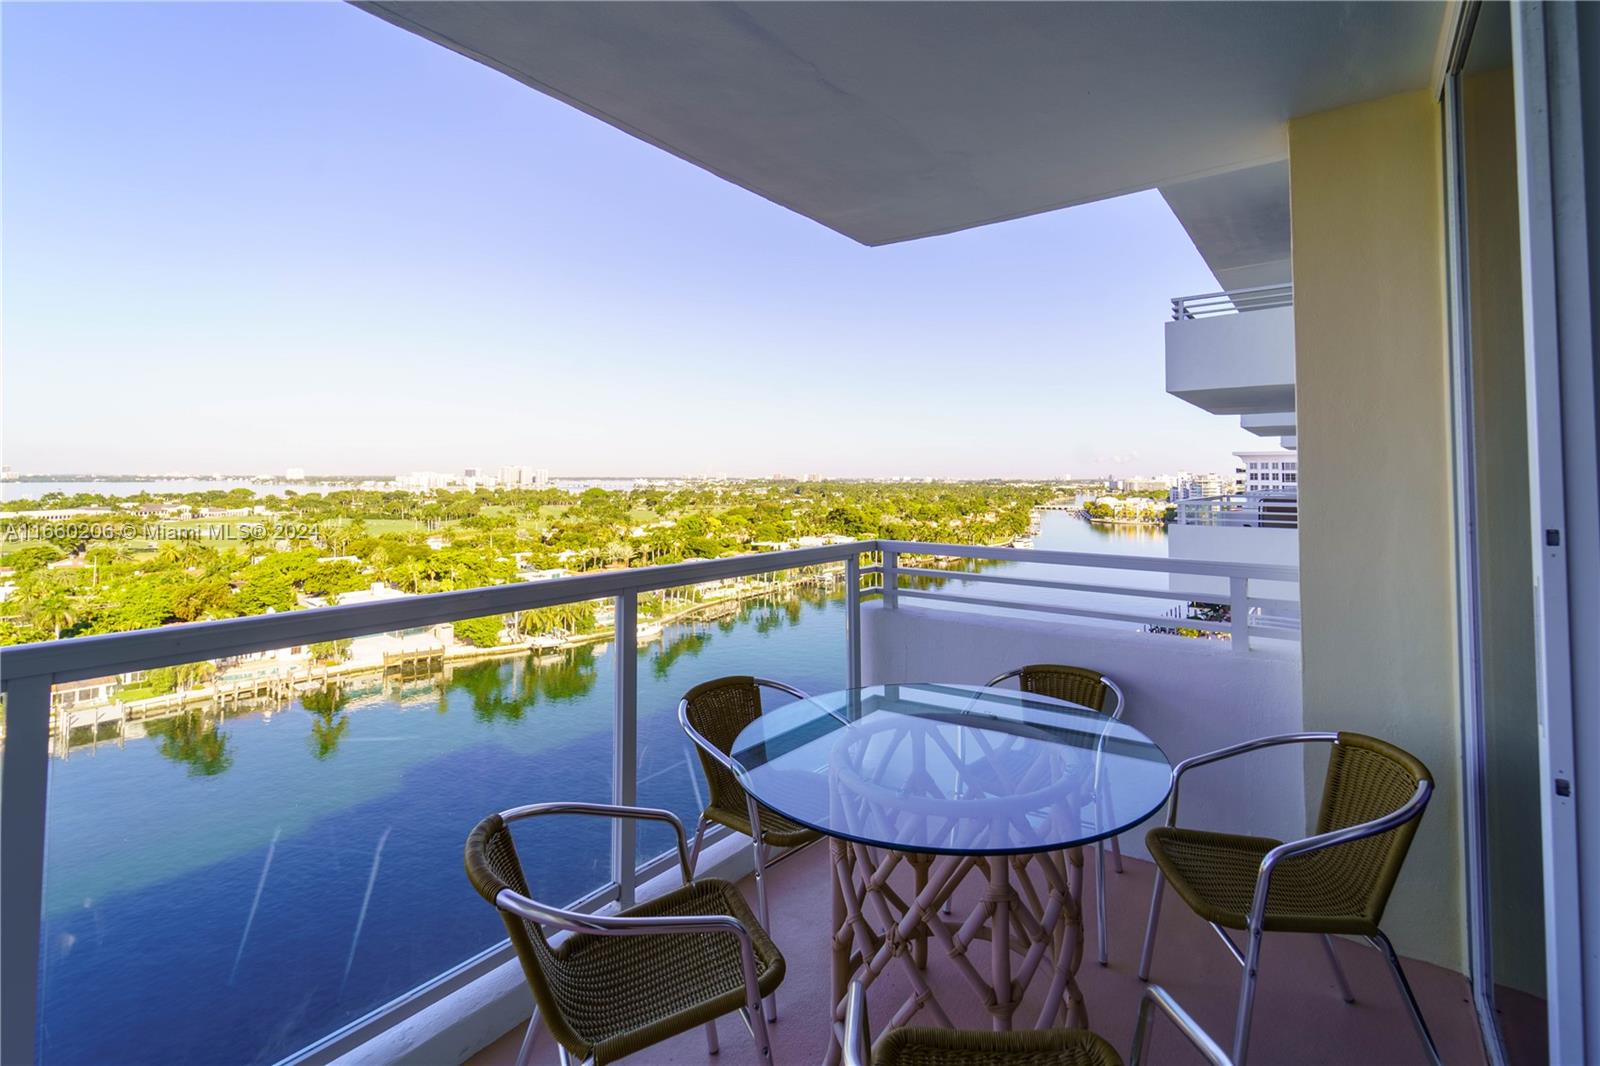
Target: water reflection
<point x="505" y="690"/>
<point x="681" y="641"/>
<point x="330" y="721"/>
<point x="189" y="738"/>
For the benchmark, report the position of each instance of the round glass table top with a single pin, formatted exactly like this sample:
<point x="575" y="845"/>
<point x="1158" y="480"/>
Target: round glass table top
<point x="952" y="769"/>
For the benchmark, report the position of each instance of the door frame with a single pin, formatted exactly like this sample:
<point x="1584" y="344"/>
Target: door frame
<point x="1558" y="247"/>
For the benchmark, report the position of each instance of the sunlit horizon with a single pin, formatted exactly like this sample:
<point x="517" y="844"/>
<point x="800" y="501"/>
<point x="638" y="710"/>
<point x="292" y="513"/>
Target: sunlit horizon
<point x="242" y="238"/>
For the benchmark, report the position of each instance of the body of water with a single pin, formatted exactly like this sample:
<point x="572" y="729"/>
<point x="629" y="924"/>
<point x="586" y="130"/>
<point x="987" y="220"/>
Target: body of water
<point x="231" y="890"/>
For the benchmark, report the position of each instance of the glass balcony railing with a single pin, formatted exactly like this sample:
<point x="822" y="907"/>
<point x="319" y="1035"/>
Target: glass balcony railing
<point x="234" y="841"/>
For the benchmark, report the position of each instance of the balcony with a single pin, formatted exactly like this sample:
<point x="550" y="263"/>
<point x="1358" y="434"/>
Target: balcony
<point x="1238" y="527"/>
<point x="321" y="838"/>
<point x="1263" y="510"/>
<point x="1232" y="352"/>
<point x="1269" y="424"/>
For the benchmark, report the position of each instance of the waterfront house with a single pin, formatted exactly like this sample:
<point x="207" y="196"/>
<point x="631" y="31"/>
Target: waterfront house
<point x="1342" y="152"/>
<point x="89" y="692"/>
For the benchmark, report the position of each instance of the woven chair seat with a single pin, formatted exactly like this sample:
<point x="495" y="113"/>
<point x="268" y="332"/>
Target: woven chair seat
<point x="776" y="829"/>
<point x="956" y="1047"/>
<point x="640" y="990"/>
<point x="1215" y="873"/>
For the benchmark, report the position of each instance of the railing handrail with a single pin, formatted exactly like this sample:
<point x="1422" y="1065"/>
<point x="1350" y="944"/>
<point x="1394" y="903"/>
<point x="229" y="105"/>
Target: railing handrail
<point x="142" y="649"/>
<point x="1103" y="560"/>
<point x="1255" y="495"/>
<point x="1227" y="301"/>
<point x="113" y="653"/>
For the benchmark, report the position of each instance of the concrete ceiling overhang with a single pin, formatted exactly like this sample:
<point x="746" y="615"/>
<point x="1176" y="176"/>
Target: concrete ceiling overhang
<point x="1239" y="222"/>
<point x="892" y="121"/>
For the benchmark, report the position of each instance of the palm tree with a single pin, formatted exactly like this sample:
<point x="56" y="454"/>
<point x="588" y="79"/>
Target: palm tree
<point x="54" y="610"/>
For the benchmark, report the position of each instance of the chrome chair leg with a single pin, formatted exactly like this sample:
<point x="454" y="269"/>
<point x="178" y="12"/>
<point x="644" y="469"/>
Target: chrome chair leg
<point x="563" y="1055"/>
<point x="525" y="1053"/>
<point x="757" y="850"/>
<point x="1381" y="942"/>
<point x="699" y="838"/>
<point x="1338" y="971"/>
<point x="1150" y="926"/>
<point x="1116" y="842"/>
<point x="712" y="1047"/>
<point x="1100" y="894"/>
<point x="758" y="1029"/>
<point x="1247" y="997"/>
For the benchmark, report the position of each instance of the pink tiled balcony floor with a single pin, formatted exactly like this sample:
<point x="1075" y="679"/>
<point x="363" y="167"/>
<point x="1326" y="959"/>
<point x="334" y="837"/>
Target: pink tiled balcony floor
<point x="1299" y="1017"/>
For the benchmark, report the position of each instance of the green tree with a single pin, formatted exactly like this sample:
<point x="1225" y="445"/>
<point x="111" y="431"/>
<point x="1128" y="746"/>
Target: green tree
<point x="481" y="632"/>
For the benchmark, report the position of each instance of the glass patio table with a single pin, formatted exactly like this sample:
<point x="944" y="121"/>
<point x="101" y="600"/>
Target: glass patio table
<point x="948" y="779"/>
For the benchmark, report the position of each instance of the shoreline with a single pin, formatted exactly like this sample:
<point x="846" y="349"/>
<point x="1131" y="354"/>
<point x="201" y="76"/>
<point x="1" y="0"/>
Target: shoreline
<point x="284" y="685"/>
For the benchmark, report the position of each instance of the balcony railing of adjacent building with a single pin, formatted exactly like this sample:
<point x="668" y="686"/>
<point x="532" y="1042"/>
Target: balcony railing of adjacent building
<point x="1264" y="510"/>
<point x="1231" y="301"/>
<point x="1122" y="591"/>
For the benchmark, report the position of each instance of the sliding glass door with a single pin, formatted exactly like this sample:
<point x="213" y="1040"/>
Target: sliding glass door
<point x="1494" y="547"/>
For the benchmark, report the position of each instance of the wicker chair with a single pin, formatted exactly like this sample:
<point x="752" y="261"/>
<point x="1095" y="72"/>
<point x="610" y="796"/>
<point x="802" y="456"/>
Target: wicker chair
<point x="1334" y="882"/>
<point x="713" y="714"/>
<point x="1094" y="690"/>
<point x="621" y="983"/>
<point x="1047" y="1047"/>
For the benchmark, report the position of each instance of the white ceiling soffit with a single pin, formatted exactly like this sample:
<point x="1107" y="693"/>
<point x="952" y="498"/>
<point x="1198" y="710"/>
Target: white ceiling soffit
<point x="891" y="121"/>
<point x="1239" y="222"/>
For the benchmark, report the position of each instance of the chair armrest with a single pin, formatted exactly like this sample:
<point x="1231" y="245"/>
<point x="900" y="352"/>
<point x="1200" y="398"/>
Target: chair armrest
<point x="857" y="1032"/>
<point x="1237" y="749"/>
<point x="1115" y="714"/>
<point x="1158" y="997"/>
<point x="1269" y="862"/>
<point x="611" y="810"/>
<point x="766" y="682"/>
<point x="635" y="925"/>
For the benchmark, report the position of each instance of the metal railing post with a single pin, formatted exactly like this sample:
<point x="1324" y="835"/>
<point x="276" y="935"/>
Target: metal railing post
<point x="852" y="621"/>
<point x="891" y="578"/>
<point x="625" y="737"/>
<point x="23" y="794"/>
<point x="1239" y="612"/>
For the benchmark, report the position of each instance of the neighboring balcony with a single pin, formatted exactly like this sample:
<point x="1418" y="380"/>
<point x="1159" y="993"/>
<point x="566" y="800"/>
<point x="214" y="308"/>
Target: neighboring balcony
<point x="1232" y="352"/>
<point x="1269" y="424"/>
<point x="1245" y="527"/>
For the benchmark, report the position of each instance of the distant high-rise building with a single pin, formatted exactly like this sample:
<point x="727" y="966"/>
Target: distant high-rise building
<point x="423" y="481"/>
<point x="472" y="471"/>
<point x="1189" y="486"/>
<point x="295" y="473"/>
<point x="516" y="477"/>
<point x="541" y="478"/>
<point x="1269" y="471"/>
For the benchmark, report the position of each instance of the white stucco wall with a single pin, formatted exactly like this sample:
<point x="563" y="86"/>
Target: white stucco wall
<point x="1233" y="544"/>
<point x="1189" y="696"/>
<point x="1234" y="364"/>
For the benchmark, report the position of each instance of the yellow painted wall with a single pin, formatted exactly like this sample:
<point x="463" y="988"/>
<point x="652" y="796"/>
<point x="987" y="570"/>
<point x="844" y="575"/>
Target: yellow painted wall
<point x="1377" y="581"/>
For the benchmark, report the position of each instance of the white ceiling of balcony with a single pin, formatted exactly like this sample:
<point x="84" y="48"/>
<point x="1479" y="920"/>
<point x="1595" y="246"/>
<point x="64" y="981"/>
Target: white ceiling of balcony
<point x="1239" y="220"/>
<point x="892" y="121"/>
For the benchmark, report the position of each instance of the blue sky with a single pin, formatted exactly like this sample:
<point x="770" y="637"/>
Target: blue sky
<point x="243" y="237"/>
